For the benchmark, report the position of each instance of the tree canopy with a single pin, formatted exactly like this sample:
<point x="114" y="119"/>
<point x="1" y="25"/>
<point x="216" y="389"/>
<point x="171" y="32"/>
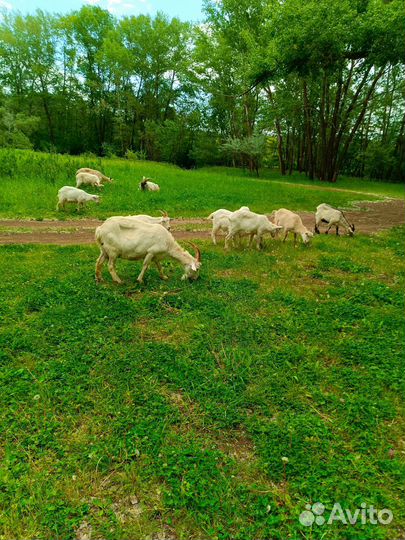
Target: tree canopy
<point x="315" y="86"/>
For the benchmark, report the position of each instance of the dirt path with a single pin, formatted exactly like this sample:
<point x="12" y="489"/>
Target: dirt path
<point x="369" y="218"/>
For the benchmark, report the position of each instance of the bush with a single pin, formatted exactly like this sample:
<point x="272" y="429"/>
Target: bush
<point x="247" y="151"/>
<point x="140" y="155"/>
<point x="15" y="129"/>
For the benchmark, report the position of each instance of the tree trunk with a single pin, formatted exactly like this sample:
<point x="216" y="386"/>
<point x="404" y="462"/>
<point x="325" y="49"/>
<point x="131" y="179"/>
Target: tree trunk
<point x="308" y="129"/>
<point x="279" y="135"/>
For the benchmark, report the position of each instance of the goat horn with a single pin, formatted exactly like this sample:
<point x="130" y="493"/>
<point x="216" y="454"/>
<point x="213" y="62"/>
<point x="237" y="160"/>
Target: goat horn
<point x="197" y="251"/>
<point x="164" y="213"/>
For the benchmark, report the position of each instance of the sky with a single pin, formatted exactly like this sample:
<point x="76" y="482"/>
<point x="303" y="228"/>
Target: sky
<point x="186" y="10"/>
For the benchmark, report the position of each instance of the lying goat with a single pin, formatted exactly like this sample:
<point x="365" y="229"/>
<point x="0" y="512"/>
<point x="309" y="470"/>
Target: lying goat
<point x="243" y="221"/>
<point x="333" y="217"/>
<point x="133" y="239"/>
<point x="69" y="194"/>
<point x="148" y="185"/>
<point x="291" y="222"/>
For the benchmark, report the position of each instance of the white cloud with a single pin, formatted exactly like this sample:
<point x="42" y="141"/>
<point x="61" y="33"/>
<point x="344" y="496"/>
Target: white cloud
<point x="121" y="7"/>
<point x="5" y="5"/>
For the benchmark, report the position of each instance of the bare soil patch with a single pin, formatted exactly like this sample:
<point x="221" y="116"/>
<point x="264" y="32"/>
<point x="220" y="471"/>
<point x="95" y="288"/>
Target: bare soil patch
<point x="369" y="218"/>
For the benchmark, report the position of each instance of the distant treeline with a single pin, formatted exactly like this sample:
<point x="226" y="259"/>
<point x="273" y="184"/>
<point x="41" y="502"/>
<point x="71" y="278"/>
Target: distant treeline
<point x="315" y="86"/>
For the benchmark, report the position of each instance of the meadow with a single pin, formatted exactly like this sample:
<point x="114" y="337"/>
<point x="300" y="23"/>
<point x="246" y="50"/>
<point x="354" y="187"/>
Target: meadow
<point x="165" y="411"/>
<point x="30" y="181"/>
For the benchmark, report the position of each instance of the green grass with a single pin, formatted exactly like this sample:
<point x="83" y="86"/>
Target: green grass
<point x="168" y="408"/>
<point x="29" y="183"/>
<point x="361" y="185"/>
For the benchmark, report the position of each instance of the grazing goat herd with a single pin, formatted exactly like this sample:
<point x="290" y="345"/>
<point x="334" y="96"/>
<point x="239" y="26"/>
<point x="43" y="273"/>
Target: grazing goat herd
<point x="149" y="238"/>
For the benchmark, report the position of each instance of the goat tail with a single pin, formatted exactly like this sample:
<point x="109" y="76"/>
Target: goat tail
<point x="97" y="236"/>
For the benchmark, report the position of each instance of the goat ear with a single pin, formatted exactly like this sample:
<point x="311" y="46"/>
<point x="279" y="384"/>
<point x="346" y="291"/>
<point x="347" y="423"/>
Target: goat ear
<point x="193" y="266"/>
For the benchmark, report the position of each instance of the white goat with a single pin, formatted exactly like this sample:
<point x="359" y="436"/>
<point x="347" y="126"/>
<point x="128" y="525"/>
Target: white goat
<point x="89" y="179"/>
<point x="133" y="239"/>
<point x="69" y="194"/>
<point x="333" y="217"/>
<point x="101" y="176"/>
<point x="291" y="222"/>
<point x="163" y="220"/>
<point x="220" y="221"/>
<point x="243" y="221"/>
<point x="148" y="185"/>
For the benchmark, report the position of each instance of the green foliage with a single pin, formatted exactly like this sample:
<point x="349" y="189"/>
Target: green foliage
<point x="379" y="160"/>
<point x="170" y="141"/>
<point x="15" y="129"/>
<point x="324" y="78"/>
<point x="324" y="68"/>
<point x="206" y="149"/>
<point x="135" y="156"/>
<point x="248" y="151"/>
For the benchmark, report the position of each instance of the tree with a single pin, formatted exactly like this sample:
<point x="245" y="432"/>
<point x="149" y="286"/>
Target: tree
<point x="327" y="55"/>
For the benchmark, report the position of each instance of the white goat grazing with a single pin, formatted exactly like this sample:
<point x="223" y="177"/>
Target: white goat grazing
<point x="148" y="185"/>
<point x="69" y="194"/>
<point x="220" y="221"/>
<point x="163" y="220"/>
<point x="291" y="222"/>
<point x="133" y="239"/>
<point x="333" y="217"/>
<point x="89" y="179"/>
<point x="243" y="221"/>
<point x="101" y="176"/>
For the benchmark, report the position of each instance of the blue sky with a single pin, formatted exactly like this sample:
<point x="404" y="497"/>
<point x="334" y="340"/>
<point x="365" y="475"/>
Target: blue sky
<point x="187" y="10"/>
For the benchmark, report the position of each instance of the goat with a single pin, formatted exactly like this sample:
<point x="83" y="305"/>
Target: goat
<point x="101" y="176"/>
<point x="243" y="221"/>
<point x="333" y="217"/>
<point x="148" y="185"/>
<point x="164" y="220"/>
<point x="87" y="178"/>
<point x="291" y="222"/>
<point x="220" y="221"/>
<point x="69" y="194"/>
<point x="133" y="239"/>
